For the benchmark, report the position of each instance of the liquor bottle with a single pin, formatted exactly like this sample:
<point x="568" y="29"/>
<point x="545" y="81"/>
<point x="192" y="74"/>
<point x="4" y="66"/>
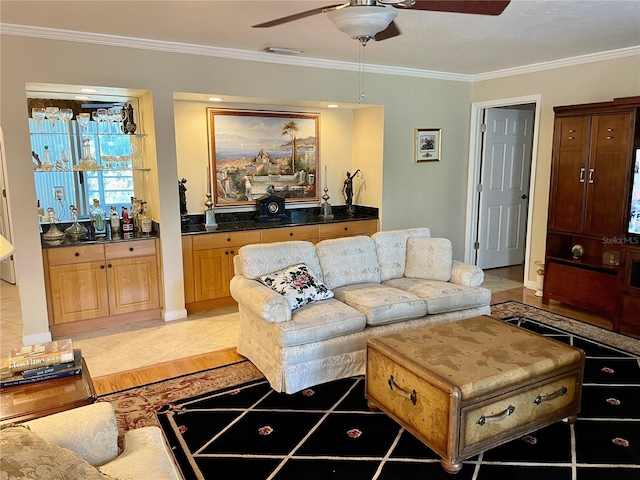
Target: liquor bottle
<point x="144" y="221"/>
<point x="114" y="220"/>
<point x="133" y="214"/>
<point x="98" y="220"/>
<point x="127" y="226"/>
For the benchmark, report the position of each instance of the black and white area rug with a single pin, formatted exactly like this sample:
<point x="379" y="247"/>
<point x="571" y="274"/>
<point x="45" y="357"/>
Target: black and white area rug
<point x="327" y="432"/>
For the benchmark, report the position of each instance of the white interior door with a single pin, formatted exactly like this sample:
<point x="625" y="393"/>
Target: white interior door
<point x="7" y="270"/>
<point x="505" y="176"/>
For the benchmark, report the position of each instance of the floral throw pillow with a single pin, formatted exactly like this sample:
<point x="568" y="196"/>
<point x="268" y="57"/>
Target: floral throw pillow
<point x="297" y="284"/>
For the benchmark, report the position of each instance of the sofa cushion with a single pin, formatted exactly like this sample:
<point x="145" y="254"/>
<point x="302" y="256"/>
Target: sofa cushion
<point x="23" y="454"/>
<point x="429" y="258"/>
<point x="381" y="304"/>
<point x="443" y="297"/>
<point x="346" y="261"/>
<point x="391" y="247"/>
<point x="297" y="285"/>
<point x="319" y="321"/>
<point x="263" y="258"/>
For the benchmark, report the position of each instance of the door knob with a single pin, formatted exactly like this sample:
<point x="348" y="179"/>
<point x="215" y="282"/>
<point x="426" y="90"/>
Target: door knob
<point x="524" y="196"/>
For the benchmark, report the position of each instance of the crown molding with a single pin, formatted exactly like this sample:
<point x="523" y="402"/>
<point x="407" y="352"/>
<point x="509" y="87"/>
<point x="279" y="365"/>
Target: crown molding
<point x="565" y="62"/>
<point x="247" y="55"/>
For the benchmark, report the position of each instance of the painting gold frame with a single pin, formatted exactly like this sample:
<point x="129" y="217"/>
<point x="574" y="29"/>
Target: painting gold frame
<point x="255" y="153"/>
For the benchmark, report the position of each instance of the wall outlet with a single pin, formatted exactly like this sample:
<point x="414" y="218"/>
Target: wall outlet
<point x="58" y="193"/>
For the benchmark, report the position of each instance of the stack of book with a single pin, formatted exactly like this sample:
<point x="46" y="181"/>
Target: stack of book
<point x="43" y="361"/>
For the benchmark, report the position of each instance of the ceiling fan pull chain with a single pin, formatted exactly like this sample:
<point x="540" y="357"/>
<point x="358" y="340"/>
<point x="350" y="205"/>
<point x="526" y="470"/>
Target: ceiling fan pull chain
<point x="363" y="96"/>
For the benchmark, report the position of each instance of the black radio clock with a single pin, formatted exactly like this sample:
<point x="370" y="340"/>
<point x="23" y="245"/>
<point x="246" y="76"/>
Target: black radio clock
<point x="272" y="209"/>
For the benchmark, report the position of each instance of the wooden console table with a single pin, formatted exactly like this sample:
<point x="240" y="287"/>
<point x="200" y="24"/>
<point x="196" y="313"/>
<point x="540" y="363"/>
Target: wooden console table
<point x="27" y="402"/>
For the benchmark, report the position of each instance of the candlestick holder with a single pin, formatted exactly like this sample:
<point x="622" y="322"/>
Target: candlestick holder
<point x="327" y="212"/>
<point x="209" y="214"/>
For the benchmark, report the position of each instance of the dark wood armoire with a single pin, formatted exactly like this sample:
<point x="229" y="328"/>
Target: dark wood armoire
<point x="592" y="258"/>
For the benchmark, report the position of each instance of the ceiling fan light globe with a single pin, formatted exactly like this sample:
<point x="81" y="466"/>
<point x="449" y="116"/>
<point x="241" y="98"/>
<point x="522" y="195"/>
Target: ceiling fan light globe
<point x="362" y="21"/>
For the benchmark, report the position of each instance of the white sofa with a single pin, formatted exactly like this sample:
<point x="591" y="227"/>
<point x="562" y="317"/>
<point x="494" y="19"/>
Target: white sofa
<point x="70" y="444"/>
<point x="376" y="292"/>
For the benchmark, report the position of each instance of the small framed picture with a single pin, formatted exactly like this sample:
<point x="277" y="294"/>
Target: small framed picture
<point x="427" y="145"/>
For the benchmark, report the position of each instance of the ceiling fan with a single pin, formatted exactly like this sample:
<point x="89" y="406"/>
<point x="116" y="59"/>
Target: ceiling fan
<point x="373" y="19"/>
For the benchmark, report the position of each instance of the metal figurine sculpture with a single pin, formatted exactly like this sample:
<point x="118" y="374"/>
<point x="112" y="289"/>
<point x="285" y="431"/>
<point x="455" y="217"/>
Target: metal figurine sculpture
<point x="347" y="191"/>
<point x="182" y="191"/>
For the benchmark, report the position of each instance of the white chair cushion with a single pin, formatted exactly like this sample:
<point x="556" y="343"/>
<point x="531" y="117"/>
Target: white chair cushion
<point x="391" y="247"/>
<point x="443" y="297"/>
<point x="319" y="321"/>
<point x="297" y="285"/>
<point x="429" y="259"/>
<point x="263" y="258"/>
<point x="382" y="304"/>
<point x="346" y="261"/>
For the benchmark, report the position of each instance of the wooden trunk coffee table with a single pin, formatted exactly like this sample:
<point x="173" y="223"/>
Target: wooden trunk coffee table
<point x="470" y="385"/>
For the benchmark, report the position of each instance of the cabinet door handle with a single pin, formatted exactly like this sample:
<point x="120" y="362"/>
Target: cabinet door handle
<point x="110" y="266"/>
<point x="77" y="254"/>
<point x="582" y="175"/>
<point x="591" y="175"/>
<point x="131" y="249"/>
<point x="102" y="267"/>
<point x="291" y="234"/>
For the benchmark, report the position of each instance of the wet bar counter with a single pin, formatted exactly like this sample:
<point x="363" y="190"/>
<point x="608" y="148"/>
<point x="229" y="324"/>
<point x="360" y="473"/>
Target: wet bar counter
<point x="207" y="255"/>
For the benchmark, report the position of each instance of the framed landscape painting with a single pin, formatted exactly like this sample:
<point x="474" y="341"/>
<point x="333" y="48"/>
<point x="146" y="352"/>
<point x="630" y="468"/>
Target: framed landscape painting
<point x="427" y="145"/>
<point x="254" y="154"/>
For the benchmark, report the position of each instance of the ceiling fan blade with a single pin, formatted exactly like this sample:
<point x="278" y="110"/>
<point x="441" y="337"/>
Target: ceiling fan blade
<point x="391" y="31"/>
<point x="297" y="16"/>
<point x="477" y="7"/>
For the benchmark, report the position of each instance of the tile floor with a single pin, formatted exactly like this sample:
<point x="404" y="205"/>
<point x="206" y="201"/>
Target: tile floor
<point x="141" y="344"/>
<point x="125" y="347"/>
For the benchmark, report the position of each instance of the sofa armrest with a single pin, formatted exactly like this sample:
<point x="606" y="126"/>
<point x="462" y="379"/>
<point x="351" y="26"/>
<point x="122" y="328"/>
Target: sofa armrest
<point x="90" y="431"/>
<point x="145" y="455"/>
<point x="260" y="299"/>
<point x="466" y="274"/>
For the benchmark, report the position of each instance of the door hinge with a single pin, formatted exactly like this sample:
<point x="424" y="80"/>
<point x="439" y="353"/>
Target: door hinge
<point x="479" y="188"/>
<point x="483" y="127"/>
<point x="4" y="193"/>
<point x="476" y="246"/>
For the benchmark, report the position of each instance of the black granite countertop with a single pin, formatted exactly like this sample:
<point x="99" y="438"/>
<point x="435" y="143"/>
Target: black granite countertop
<point x="89" y="239"/>
<point x="232" y="222"/>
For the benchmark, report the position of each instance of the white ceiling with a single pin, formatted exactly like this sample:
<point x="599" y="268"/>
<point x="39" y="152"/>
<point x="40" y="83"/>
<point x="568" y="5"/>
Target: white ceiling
<point x="528" y="32"/>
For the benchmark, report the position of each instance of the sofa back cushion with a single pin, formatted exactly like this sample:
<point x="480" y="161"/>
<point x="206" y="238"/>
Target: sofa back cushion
<point x="350" y="260"/>
<point x="391" y="247"/>
<point x="259" y="259"/>
<point x="429" y="259"/>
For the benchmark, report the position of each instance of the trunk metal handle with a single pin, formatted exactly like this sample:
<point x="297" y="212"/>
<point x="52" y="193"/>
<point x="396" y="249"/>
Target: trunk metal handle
<point x="413" y="396"/>
<point x="497" y="417"/>
<point x="552" y="396"/>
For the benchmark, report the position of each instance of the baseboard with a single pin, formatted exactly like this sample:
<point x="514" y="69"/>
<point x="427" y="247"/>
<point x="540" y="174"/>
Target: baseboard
<point x="36" y="338"/>
<point x="169" y="316"/>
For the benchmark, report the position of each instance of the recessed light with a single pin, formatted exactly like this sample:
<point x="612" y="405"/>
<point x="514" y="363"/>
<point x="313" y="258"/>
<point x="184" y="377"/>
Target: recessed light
<point x="215" y="99"/>
<point x="82" y="97"/>
<point x="333" y="105"/>
<point x="88" y="90"/>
